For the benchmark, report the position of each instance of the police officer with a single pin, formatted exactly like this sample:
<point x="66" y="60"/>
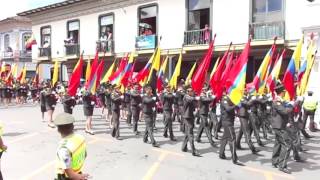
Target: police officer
<point x="168" y="101"/>
<point x="135" y="96"/>
<point x="68" y="103"/>
<point x="245" y="126"/>
<point x="309" y="107"/>
<point x="116" y="100"/>
<point x="71" y="153"/>
<point x="206" y="99"/>
<point x="229" y="135"/>
<point x="280" y="121"/>
<point x="148" y="108"/>
<point x="189" y="101"/>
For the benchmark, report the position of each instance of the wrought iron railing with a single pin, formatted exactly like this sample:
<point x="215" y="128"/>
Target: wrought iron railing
<point x="197" y="37"/>
<point x="45" y="52"/>
<point x="267" y="30"/>
<point x="25" y="54"/>
<point x="72" y="49"/>
<point x="105" y="46"/>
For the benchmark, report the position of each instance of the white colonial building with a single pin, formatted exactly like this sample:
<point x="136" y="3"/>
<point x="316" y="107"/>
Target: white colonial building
<point x="63" y="30"/>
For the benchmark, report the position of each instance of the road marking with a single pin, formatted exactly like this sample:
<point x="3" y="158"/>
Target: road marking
<point x="269" y="174"/>
<point x="49" y="165"/>
<point x="168" y="152"/>
<point x="155" y="167"/>
<point x="22" y="138"/>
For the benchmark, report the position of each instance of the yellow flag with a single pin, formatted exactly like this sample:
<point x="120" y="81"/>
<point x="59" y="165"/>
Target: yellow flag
<point x="88" y="70"/>
<point x="155" y="65"/>
<point x="15" y="70"/>
<point x="108" y="73"/>
<point x="188" y="80"/>
<point x="174" y="79"/>
<point x="24" y="73"/>
<point x="3" y="67"/>
<point x="215" y="67"/>
<point x="55" y="73"/>
<point x="297" y="54"/>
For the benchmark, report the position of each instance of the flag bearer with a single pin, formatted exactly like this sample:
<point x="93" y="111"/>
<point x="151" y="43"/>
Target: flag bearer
<point x="116" y="100"/>
<point x="71" y="153"/>
<point x="168" y="100"/>
<point x="135" y="96"/>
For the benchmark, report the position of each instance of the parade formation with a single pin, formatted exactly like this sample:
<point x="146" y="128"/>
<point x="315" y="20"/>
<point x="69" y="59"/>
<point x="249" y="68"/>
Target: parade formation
<point x="266" y="108"/>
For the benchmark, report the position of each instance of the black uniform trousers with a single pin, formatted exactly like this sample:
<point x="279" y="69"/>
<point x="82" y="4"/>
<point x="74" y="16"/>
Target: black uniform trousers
<point x="245" y="129"/>
<point x="253" y="118"/>
<point x="129" y="114"/>
<point x="307" y="114"/>
<point x="188" y="135"/>
<point x="262" y="119"/>
<point x="175" y="114"/>
<point x="182" y="125"/>
<point x="213" y="121"/>
<point x="135" y="117"/>
<point x="282" y="148"/>
<point x="168" y="123"/>
<point x="229" y="136"/>
<point x="115" y="122"/>
<point x="148" y="118"/>
<point x="204" y="125"/>
<point x="294" y="134"/>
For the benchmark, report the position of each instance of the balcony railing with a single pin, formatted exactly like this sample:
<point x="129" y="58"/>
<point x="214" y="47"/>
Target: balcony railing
<point x="25" y="54"/>
<point x="7" y="55"/>
<point x="267" y="30"/>
<point x="197" y="37"/>
<point x="45" y="52"/>
<point x="105" y="46"/>
<point x="72" y="49"/>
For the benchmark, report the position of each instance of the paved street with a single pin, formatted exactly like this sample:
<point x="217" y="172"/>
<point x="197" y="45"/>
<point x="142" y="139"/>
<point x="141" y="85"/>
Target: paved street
<point x="32" y="145"/>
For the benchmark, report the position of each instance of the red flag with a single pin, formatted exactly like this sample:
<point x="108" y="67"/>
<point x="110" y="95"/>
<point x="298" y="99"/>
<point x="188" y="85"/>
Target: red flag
<point x="99" y="71"/>
<point x="94" y="67"/>
<point x="74" y="81"/>
<point x="199" y="76"/>
<point x="115" y="77"/>
<point x="239" y="63"/>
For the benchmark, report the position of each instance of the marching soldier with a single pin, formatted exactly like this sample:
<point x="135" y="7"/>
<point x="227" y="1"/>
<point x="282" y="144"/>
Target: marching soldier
<point x="108" y="104"/>
<point x="135" y="96"/>
<point x="180" y="96"/>
<point x="68" y="103"/>
<point x="280" y="121"/>
<point x="168" y="101"/>
<point x="309" y="107"/>
<point x="116" y="99"/>
<point x="71" y="152"/>
<point x="188" y="117"/>
<point x="245" y="126"/>
<point x="214" y="119"/>
<point x="206" y="99"/>
<point x="229" y="135"/>
<point x="262" y="116"/>
<point x="254" y="120"/>
<point x="127" y="104"/>
<point x="148" y="108"/>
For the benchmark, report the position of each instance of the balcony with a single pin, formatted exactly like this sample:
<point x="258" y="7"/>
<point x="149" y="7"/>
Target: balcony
<point x="7" y="55"/>
<point x="267" y="30"/>
<point x="146" y="42"/>
<point x="45" y="52"/>
<point x="72" y="49"/>
<point x="25" y="54"/>
<point x="105" y="46"/>
<point x="197" y="37"/>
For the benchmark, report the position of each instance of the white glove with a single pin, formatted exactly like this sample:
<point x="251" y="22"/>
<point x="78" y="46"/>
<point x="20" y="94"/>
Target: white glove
<point x="253" y="98"/>
<point x="291" y="103"/>
<point x="268" y="107"/>
<point x="72" y="97"/>
<point x="53" y="105"/>
<point x="141" y="95"/>
<point x="174" y="94"/>
<point x="154" y="98"/>
<point x="71" y="107"/>
<point x="121" y="96"/>
<point x="153" y="109"/>
<point x="197" y="98"/>
<point x="213" y="96"/>
<point x="92" y="102"/>
<point x="260" y="97"/>
<point x="300" y="98"/>
<point x="270" y="99"/>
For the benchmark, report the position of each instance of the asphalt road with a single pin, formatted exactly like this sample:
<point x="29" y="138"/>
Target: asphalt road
<point x="32" y="151"/>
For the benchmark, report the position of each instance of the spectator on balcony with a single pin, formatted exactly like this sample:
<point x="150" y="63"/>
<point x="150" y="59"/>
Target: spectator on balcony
<point x="148" y="32"/>
<point x="46" y="44"/>
<point x="142" y="31"/>
<point x="69" y="40"/>
<point x="109" y="39"/>
<point x="9" y="49"/>
<point x="207" y="34"/>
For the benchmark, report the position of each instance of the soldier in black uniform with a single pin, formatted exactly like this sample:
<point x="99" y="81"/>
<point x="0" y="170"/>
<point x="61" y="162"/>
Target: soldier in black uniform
<point x="262" y="115"/>
<point x="135" y="96"/>
<point x="245" y="127"/>
<point x="229" y="136"/>
<point x="127" y="103"/>
<point x="283" y="142"/>
<point x="8" y="91"/>
<point x="206" y="99"/>
<point x="180" y="93"/>
<point x="24" y="93"/>
<point x="88" y="107"/>
<point x="254" y="120"/>
<point x="108" y="104"/>
<point x="167" y="101"/>
<point x="42" y="98"/>
<point x="188" y="117"/>
<point x="69" y="103"/>
<point x="116" y="100"/>
<point x="51" y="101"/>
<point x="214" y="119"/>
<point x="148" y="108"/>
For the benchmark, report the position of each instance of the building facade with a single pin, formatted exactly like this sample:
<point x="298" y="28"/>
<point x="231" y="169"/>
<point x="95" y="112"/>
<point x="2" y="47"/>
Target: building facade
<point x="14" y="33"/>
<point x="66" y="29"/>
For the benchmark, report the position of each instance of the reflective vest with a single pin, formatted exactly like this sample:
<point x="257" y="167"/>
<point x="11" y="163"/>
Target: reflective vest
<point x="310" y="104"/>
<point x="77" y="147"/>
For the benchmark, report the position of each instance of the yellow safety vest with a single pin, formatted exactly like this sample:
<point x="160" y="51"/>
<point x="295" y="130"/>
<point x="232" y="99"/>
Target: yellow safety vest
<point x="310" y="104"/>
<point x="77" y="147"/>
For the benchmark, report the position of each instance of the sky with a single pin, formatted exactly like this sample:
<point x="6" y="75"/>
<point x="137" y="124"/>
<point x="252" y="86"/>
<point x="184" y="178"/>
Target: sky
<point x="10" y="8"/>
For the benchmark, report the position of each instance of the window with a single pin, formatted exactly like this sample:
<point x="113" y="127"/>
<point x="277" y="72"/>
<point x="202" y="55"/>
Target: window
<point x="148" y="20"/>
<point x="73" y="32"/>
<point x="106" y="27"/>
<point x="198" y="14"/>
<point x="45" y="36"/>
<point x="267" y="10"/>
<point x="25" y="38"/>
<point x="7" y="47"/>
